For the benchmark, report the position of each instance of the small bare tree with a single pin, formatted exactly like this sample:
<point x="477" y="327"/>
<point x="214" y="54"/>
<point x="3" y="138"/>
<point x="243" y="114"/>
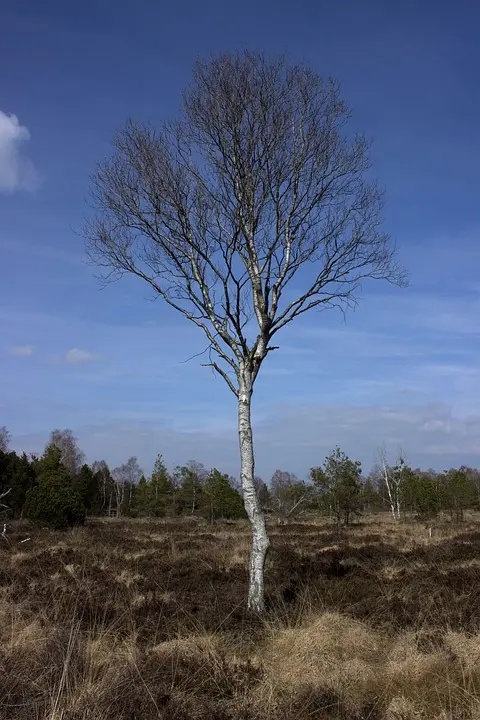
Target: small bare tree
<point x="125" y="477"/>
<point x="72" y="457"/>
<point x="392" y="476"/>
<point x="5" y="438"/>
<point x="248" y="211"/>
<point x="288" y="495"/>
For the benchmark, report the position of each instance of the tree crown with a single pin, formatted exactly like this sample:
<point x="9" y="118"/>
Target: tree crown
<point x="257" y="185"/>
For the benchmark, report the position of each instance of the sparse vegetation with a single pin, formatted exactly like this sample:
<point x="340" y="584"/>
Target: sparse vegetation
<point x="144" y="619"/>
<point x="140" y="615"/>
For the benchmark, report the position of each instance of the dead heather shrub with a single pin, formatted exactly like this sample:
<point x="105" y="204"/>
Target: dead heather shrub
<point x="204" y="655"/>
<point x="106" y="650"/>
<point x="28" y="637"/>
<point x="332" y="654"/>
<point x="466" y="648"/>
<point x="189" y="677"/>
<point x="429" y="680"/>
<point x="358" y="672"/>
<point x="233" y="554"/>
<point x="402" y="708"/>
<point x="128" y="578"/>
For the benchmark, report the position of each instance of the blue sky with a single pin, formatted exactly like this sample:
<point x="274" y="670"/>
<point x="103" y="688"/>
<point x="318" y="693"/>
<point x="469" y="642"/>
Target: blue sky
<point x="403" y="369"/>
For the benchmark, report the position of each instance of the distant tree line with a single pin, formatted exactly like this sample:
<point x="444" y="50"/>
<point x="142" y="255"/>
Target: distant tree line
<point x="59" y="489"/>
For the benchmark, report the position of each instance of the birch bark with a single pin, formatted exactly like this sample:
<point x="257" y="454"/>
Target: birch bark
<point x="260" y="541"/>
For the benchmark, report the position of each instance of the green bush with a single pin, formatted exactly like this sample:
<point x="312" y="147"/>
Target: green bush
<point x="220" y="500"/>
<point x="57" y="507"/>
<point x="53" y="501"/>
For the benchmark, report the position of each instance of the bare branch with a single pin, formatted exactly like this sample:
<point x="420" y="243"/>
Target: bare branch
<point x="5" y="493"/>
<point x="294" y="507"/>
<point x="195" y="355"/>
<point x="224" y="375"/>
<point x="256" y="184"/>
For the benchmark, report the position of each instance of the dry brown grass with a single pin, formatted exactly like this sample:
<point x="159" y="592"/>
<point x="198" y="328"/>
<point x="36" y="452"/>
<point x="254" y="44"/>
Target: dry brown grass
<point x="143" y="620"/>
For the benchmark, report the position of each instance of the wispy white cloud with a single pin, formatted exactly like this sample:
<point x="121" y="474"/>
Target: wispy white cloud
<point x="42" y="250"/>
<point x="431" y="434"/>
<point x="74" y="356"/>
<point x="17" y="171"/>
<point x="21" y="350"/>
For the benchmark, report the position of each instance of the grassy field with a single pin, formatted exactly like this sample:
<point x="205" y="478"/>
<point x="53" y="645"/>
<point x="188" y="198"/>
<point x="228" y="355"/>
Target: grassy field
<point x="140" y="620"/>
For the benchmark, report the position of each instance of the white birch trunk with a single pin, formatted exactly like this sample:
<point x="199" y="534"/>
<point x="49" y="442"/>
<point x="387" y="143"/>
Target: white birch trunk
<point x="392" y="490"/>
<point x="260" y="541"/>
<point x="194" y="488"/>
<point x="119" y="493"/>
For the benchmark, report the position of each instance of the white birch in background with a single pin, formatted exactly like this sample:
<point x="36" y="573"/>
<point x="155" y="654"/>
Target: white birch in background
<point x="5" y="438"/>
<point x="72" y="457"/>
<point x="392" y="477"/>
<point x="125" y="476"/>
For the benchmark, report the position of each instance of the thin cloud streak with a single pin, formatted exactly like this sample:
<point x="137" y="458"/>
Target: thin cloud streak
<point x="21" y="350"/>
<point x="289" y="437"/>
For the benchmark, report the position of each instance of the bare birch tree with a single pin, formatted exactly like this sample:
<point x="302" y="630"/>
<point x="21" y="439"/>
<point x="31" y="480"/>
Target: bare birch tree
<point x="393" y="477"/>
<point x="5" y="438"/>
<point x="125" y="476"/>
<point x="251" y="209"/>
<point x="72" y="457"/>
<point x="288" y="494"/>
